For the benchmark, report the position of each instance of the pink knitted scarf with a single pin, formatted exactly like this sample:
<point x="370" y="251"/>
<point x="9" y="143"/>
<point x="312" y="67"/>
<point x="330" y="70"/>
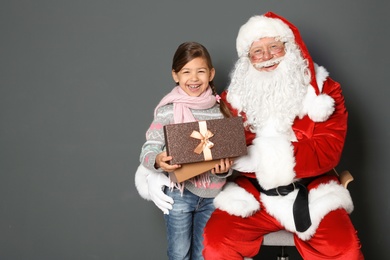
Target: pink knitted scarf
<point x="182" y="103"/>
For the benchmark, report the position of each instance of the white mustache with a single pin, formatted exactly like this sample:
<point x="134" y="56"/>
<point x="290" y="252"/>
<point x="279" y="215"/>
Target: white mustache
<point x="268" y="63"/>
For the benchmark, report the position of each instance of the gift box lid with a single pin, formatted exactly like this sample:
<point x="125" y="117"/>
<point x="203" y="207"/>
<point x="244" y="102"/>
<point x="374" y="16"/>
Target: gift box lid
<point x="205" y="140"/>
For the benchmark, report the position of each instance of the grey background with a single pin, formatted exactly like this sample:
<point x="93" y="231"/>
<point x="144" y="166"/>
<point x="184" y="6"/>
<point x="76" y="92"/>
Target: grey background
<point x="78" y="84"/>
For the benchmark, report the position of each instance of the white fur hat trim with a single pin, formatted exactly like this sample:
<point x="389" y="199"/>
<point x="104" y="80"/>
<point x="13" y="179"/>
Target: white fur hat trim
<point x="259" y="27"/>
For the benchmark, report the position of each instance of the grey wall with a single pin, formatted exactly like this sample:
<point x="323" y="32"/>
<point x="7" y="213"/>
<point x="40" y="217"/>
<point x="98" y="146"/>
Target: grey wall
<point x="79" y="81"/>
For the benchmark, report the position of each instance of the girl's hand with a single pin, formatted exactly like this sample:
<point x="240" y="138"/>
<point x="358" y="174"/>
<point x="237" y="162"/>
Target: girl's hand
<point x="162" y="162"/>
<point x="223" y="166"/>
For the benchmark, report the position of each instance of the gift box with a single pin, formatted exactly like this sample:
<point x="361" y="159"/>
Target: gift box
<point x="198" y="146"/>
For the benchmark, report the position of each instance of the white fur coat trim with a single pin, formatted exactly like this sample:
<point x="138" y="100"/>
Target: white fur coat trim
<point x="322" y="200"/>
<point x="141" y="182"/>
<point x="321" y="75"/>
<point x="272" y="158"/>
<point x="236" y="201"/>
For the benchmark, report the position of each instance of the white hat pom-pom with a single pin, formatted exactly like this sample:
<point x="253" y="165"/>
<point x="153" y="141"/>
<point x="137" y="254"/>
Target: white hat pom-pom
<point x="318" y="107"/>
<point x="322" y="108"/>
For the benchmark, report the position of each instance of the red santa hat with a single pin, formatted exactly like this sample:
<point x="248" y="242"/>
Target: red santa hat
<point x="318" y="106"/>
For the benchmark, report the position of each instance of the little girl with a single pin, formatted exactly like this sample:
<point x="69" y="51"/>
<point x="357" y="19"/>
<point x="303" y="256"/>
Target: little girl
<point x="187" y="206"/>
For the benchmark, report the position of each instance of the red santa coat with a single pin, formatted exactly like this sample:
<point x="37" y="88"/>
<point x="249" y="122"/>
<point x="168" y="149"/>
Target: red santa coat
<point x="319" y="144"/>
<point x="312" y="146"/>
<point x="317" y="150"/>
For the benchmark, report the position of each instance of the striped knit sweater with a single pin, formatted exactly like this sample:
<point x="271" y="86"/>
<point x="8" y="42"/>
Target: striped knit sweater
<point x="155" y="144"/>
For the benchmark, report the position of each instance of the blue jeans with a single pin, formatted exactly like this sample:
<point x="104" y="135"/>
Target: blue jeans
<point x="185" y="224"/>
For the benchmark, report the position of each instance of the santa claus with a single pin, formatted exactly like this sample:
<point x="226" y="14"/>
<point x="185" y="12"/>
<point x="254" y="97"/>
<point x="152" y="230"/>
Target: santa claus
<point x="296" y="123"/>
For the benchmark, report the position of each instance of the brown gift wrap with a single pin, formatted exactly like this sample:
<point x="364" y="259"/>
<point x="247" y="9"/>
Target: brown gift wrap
<point x="198" y="146"/>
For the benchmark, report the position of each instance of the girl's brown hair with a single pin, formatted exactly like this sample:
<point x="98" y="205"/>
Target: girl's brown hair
<point x="188" y="51"/>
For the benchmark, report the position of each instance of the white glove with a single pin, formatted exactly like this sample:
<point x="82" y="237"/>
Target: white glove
<point x="156" y="182"/>
<point x="150" y="186"/>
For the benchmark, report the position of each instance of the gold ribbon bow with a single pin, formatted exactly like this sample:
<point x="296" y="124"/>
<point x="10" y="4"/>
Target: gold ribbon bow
<point x="205" y="144"/>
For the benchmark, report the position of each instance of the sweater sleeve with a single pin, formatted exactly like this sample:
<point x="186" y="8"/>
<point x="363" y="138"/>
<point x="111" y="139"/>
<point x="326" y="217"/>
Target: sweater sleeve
<point x="319" y="146"/>
<point x="155" y="142"/>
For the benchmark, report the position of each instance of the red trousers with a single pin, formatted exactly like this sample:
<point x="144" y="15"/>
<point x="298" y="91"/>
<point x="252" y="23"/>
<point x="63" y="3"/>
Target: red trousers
<point x="231" y="237"/>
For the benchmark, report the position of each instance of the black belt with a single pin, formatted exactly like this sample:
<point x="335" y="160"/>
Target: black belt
<point x="301" y="204"/>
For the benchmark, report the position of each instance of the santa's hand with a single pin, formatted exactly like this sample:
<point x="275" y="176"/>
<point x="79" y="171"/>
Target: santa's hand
<point x="156" y="182"/>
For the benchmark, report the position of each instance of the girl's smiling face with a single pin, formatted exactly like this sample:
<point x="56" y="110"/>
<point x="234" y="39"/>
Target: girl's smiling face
<point x="194" y="77"/>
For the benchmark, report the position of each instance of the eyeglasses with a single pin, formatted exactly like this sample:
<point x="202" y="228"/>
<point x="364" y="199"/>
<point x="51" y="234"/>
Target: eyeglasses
<point x="273" y="49"/>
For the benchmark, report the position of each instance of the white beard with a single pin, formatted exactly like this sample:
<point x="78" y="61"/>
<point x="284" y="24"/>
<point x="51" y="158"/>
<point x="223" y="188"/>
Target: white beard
<point x="274" y="97"/>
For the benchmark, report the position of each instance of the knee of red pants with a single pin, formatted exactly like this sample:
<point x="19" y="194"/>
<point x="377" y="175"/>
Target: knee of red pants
<point x="216" y="246"/>
<point x="335" y="238"/>
<point x="222" y="241"/>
